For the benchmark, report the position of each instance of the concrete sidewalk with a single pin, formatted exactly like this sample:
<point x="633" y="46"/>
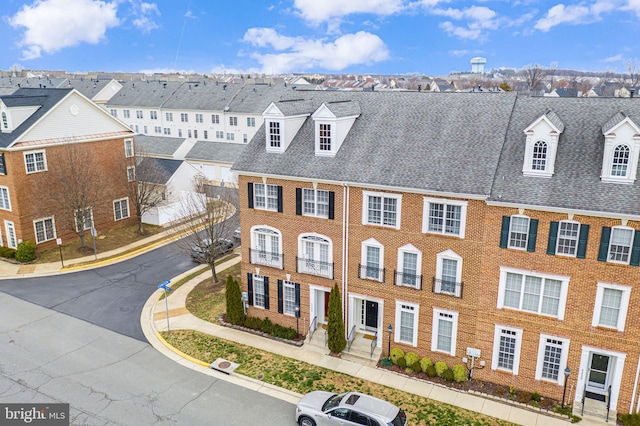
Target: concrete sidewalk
<point x="154" y="320"/>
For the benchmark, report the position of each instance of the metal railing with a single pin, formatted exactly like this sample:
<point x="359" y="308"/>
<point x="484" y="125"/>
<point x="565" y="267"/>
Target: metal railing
<point x="314" y="267"/>
<point x="371" y="273"/>
<point x="608" y="403"/>
<point x="351" y="337"/>
<point x="312" y="327"/>
<point x="410" y="280"/>
<point x="447" y="287"/>
<point x="267" y="258"/>
<point x="373" y="343"/>
<point x="584" y="396"/>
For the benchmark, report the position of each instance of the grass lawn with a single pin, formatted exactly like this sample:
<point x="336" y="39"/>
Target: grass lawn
<point x="207" y="301"/>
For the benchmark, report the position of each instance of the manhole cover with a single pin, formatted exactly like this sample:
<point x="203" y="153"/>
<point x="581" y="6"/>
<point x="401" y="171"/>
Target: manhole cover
<point x="224" y="365"/>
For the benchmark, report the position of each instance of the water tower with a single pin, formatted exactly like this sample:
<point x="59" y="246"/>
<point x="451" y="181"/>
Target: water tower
<point x="477" y="65"/>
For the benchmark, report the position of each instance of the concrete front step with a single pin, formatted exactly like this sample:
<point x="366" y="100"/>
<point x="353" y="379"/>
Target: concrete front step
<point x="595" y="411"/>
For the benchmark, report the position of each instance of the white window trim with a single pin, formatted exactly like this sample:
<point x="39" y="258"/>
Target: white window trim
<point x="575" y="254"/>
<point x="255" y="292"/>
<point x="410" y="248"/>
<point x="496" y="348"/>
<point x="131" y="170"/>
<point x="10" y="229"/>
<point x="624" y="305"/>
<point x="128" y="147"/>
<point x="75" y="219"/>
<point x="6" y="188"/>
<point x="563" y="358"/>
<point x="44" y="159"/>
<point x="53" y="225"/>
<point x="302" y="254"/>
<point x="450" y="254"/>
<point x="526" y="242"/>
<point x="612" y="140"/>
<point x="564" y="290"/>
<point x="290" y="284"/>
<point x="543" y="130"/>
<point x="416" y="314"/>
<point x="371" y="242"/>
<point x="434" y="331"/>
<point x="425" y="215"/>
<point x="633" y="235"/>
<point x="383" y="195"/>
<point x="315" y="202"/>
<point x="266" y="198"/>
<point x="120" y="200"/>
<point x="254" y="245"/>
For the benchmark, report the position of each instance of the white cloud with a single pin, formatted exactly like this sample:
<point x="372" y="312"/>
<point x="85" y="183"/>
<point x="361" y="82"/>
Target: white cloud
<point x="144" y="14"/>
<point x="479" y="19"/>
<point x="578" y="14"/>
<point x="52" y="25"/>
<point x="316" y="12"/>
<point x="634" y="6"/>
<point x="616" y="58"/>
<point x="297" y="53"/>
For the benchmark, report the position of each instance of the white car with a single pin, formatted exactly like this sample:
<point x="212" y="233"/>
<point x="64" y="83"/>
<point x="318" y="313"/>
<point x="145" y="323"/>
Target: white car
<point x="319" y="408"/>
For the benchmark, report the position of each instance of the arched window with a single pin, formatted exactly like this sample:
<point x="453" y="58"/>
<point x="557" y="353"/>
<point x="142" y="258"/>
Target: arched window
<point x="315" y="255"/>
<point x="539" y="159"/>
<point x="620" y="161"/>
<point x="266" y="246"/>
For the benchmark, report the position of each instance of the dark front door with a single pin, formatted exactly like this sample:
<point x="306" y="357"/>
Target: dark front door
<point x="371" y="315"/>
<point x="326" y="306"/>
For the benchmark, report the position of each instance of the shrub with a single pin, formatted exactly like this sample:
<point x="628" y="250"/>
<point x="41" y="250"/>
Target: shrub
<point x="253" y="323"/>
<point x="411" y="358"/>
<point x="26" y="252"/>
<point x="431" y="371"/>
<point x="417" y="368"/>
<point x="425" y="363"/>
<point x="459" y="373"/>
<point x="235" y="310"/>
<point x="7" y="252"/>
<point x="512" y="390"/>
<point x="402" y="362"/>
<point x="335" y="328"/>
<point x="501" y="390"/>
<point x="283" y="332"/>
<point x="441" y="367"/>
<point x="629" y="419"/>
<point x="523" y="397"/>
<point x="448" y="375"/>
<point x="535" y="396"/>
<point x="266" y="326"/>
<point x="395" y="354"/>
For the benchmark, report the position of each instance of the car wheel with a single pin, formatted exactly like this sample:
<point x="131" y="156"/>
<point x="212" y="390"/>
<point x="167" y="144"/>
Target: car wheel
<point x="306" y="421"/>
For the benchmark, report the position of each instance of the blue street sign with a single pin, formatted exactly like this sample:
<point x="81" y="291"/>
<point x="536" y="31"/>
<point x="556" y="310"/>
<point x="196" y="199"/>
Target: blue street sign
<point x="165" y="285"/>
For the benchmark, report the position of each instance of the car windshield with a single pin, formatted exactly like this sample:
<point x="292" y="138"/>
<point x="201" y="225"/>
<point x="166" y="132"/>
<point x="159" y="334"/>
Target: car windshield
<point x="332" y="402"/>
<point x="400" y="420"/>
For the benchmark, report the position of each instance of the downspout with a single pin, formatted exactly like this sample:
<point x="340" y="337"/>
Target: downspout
<point x="345" y="254"/>
<point x="635" y="388"/>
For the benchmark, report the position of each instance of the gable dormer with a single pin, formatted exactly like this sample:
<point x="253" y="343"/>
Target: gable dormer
<point x="13" y="113"/>
<point x="542" y="145"/>
<point x="333" y="120"/>
<point x="282" y="121"/>
<point x="621" y="149"/>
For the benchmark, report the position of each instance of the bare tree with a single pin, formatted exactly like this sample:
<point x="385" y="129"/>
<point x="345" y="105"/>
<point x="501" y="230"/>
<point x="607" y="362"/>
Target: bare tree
<point x="535" y="75"/>
<point x="207" y="226"/>
<point x="632" y="78"/>
<point x="74" y="174"/>
<point x="146" y="186"/>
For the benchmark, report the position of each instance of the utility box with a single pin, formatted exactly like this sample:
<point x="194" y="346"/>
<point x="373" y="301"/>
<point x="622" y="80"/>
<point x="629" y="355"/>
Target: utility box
<point x="473" y="352"/>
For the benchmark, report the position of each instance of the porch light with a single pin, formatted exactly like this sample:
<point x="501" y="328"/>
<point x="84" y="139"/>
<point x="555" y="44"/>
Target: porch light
<point x="567" y="371"/>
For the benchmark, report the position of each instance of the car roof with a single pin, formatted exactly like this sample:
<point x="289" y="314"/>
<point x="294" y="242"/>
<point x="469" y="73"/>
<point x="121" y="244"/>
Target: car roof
<point x="370" y="404"/>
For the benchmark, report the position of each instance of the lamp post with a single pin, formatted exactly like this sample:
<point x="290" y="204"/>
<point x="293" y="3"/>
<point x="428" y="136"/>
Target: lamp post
<point x="297" y="318"/>
<point x="389" y="330"/>
<point x="567" y="371"/>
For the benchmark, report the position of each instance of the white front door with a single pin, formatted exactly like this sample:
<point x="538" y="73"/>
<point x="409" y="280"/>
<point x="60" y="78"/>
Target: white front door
<point x="598" y="375"/>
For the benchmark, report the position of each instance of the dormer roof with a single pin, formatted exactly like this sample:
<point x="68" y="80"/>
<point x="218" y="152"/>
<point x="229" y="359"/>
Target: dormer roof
<point x="616" y="121"/>
<point x="551" y="118"/>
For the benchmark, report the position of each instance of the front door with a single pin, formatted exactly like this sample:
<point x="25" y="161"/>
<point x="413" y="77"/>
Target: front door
<point x="326" y="306"/>
<point x="371" y="315"/>
<point x="598" y="376"/>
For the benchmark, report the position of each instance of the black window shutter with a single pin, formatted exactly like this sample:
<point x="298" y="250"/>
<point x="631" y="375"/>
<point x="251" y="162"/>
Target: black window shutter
<point x="280" y="307"/>
<point x="604" y="244"/>
<point x="504" y="231"/>
<point x="279" y="199"/>
<point x="553" y="237"/>
<point x="266" y="292"/>
<point x="298" y="201"/>
<point x="533" y="235"/>
<point x="250" y="194"/>
<point x="332" y="203"/>
<point x="297" y="286"/>
<point x="583" y="238"/>
<point x="635" y="251"/>
<point x="3" y="165"/>
<point x="250" y="288"/>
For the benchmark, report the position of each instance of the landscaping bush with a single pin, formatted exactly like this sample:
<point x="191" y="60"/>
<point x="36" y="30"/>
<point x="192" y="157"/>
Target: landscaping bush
<point x="629" y="419"/>
<point x="441" y="367"/>
<point x="253" y="323"/>
<point x="266" y="326"/>
<point x="523" y="397"/>
<point x="7" y="252"/>
<point x="417" y="368"/>
<point x="425" y="363"/>
<point x="402" y="362"/>
<point x="235" y="310"/>
<point x="26" y="252"/>
<point x="283" y="332"/>
<point x="335" y="328"/>
<point x="411" y="358"/>
<point x="535" y="396"/>
<point x="395" y="354"/>
<point x="431" y="371"/>
<point x="448" y="375"/>
<point x="459" y="373"/>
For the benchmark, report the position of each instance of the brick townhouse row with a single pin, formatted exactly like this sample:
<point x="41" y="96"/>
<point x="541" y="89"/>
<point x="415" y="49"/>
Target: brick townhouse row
<point x="39" y="130"/>
<point x="495" y="228"/>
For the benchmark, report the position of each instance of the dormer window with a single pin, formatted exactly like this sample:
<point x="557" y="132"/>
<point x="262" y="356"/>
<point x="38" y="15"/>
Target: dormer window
<point x="621" y="149"/>
<point x="541" y="145"/>
<point x="5" y="122"/>
<point x="274" y="134"/>
<point x="333" y="120"/>
<point x="282" y="121"/>
<point x="325" y="137"/>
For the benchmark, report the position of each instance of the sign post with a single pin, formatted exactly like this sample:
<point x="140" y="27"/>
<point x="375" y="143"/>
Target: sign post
<point x="94" y="234"/>
<point x="59" y="242"/>
<point x="165" y="286"/>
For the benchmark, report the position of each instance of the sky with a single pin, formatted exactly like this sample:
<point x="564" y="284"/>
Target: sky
<point x="424" y="37"/>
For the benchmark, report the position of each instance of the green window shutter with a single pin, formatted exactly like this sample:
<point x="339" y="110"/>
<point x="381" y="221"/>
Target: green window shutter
<point x="533" y="235"/>
<point x="266" y="293"/>
<point x="635" y="250"/>
<point x="280" y="303"/>
<point x="299" y="201"/>
<point x="504" y="231"/>
<point x="583" y="238"/>
<point x="250" y="288"/>
<point x="604" y="244"/>
<point x="553" y="238"/>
